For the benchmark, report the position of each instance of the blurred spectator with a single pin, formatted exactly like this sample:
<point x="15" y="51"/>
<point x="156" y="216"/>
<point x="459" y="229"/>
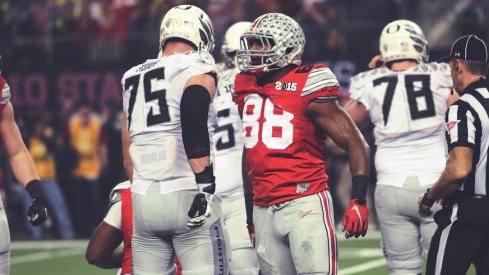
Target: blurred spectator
<point x="474" y="19"/>
<point x="84" y="191"/>
<point x="41" y="146"/>
<point x="113" y="169"/>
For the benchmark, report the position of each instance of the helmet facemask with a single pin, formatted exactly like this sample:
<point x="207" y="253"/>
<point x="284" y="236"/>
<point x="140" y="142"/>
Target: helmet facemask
<point x="274" y="41"/>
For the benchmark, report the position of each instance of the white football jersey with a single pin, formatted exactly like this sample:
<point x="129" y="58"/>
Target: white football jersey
<point x="151" y="100"/>
<point x="228" y="137"/>
<point x="408" y="110"/>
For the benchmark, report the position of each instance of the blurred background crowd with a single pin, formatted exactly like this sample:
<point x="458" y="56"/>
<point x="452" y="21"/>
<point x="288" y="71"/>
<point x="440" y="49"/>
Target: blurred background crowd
<point x="64" y="59"/>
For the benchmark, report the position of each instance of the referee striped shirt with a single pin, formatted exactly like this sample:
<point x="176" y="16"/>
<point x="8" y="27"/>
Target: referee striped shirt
<point x="467" y="124"/>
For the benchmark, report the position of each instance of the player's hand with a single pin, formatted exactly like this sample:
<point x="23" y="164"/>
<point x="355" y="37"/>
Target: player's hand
<point x="375" y="62"/>
<point x="201" y="209"/>
<point x="355" y="220"/>
<point x="251" y="232"/>
<point x="425" y="205"/>
<point x="37" y="213"/>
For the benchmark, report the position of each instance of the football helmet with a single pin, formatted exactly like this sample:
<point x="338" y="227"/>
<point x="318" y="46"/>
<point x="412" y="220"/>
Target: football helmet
<point x="231" y="41"/>
<point x="403" y="39"/>
<point x="189" y="23"/>
<point x="273" y="39"/>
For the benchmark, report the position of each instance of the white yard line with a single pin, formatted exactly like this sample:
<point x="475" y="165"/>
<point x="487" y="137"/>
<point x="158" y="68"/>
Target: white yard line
<point x="363" y="267"/>
<point x="44" y="256"/>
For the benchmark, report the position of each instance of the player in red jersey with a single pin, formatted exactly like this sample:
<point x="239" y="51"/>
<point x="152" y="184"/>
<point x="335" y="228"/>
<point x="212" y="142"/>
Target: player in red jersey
<point x="287" y="111"/>
<point x="114" y="229"/>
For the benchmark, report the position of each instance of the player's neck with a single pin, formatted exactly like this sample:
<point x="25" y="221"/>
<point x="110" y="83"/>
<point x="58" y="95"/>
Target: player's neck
<point x="275" y="75"/>
<point x="176" y="46"/>
<point x="470" y="78"/>
<point x="402" y="65"/>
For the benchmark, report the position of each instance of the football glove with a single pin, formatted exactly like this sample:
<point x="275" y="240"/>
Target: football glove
<point x="200" y="210"/>
<point x="37" y="213"/>
<point x="355" y="220"/>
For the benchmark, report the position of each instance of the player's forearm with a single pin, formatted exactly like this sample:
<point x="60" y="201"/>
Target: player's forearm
<point x="198" y="164"/>
<point x="359" y="156"/>
<point x="449" y="181"/>
<point x="23" y="167"/>
<point x="459" y="166"/>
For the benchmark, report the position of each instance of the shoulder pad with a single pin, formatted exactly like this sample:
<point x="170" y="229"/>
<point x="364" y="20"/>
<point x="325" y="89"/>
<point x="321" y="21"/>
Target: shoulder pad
<point x="318" y="78"/>
<point x="115" y="196"/>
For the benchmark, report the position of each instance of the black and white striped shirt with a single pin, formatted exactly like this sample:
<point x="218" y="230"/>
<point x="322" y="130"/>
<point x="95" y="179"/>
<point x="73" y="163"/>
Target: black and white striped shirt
<point x="467" y="124"/>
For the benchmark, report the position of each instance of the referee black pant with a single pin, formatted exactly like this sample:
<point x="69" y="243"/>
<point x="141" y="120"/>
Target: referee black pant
<point x="462" y="238"/>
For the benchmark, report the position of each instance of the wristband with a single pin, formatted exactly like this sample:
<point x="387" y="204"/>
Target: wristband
<point x="206" y="180"/>
<point x="33" y="187"/>
<point x="359" y="186"/>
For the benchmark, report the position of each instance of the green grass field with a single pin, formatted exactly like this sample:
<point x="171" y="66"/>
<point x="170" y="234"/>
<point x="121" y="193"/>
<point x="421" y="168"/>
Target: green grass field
<point x="359" y="256"/>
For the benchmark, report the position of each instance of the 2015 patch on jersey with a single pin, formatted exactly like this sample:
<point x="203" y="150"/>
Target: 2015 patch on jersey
<point x="286" y="86"/>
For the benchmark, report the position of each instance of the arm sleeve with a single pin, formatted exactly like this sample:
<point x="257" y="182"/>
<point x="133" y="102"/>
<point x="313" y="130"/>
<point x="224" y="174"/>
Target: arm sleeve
<point x="194" y="111"/>
<point x="460" y="125"/>
<point x="114" y="215"/>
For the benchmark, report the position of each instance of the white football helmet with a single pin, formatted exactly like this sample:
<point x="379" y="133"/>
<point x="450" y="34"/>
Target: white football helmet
<point x="231" y="41"/>
<point x="280" y="42"/>
<point x="189" y="23"/>
<point x="403" y="39"/>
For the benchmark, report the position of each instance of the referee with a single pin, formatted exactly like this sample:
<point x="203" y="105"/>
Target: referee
<point x="462" y="236"/>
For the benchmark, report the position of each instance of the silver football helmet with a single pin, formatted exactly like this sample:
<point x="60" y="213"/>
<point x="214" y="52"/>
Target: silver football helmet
<point x="403" y="39"/>
<point x="189" y="23"/>
<point x="231" y="41"/>
<point x="273" y="39"/>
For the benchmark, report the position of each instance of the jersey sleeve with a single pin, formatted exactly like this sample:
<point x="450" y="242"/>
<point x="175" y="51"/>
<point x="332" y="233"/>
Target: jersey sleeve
<point x="359" y="87"/>
<point x="321" y="85"/>
<point x="5" y="96"/>
<point x="114" y="215"/>
<point x="444" y="79"/>
<point x="460" y="125"/>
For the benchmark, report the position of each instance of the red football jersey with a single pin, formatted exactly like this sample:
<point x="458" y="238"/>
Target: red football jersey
<point x="283" y="148"/>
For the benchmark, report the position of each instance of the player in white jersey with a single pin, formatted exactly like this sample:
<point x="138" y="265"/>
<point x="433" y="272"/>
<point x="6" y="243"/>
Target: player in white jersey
<point x="406" y="100"/>
<point x="228" y="144"/>
<point x="167" y="151"/>
<point x="24" y="170"/>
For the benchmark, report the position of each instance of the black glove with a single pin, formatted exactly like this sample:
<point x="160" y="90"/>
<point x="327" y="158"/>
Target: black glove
<point x="37" y="213"/>
<point x="201" y="207"/>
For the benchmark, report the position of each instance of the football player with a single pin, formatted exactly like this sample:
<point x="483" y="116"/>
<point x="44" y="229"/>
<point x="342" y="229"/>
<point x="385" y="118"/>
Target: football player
<point x="114" y="229"/>
<point x="228" y="144"/>
<point x="287" y="109"/>
<point x="406" y="100"/>
<point x="24" y="171"/>
<point x="167" y="151"/>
